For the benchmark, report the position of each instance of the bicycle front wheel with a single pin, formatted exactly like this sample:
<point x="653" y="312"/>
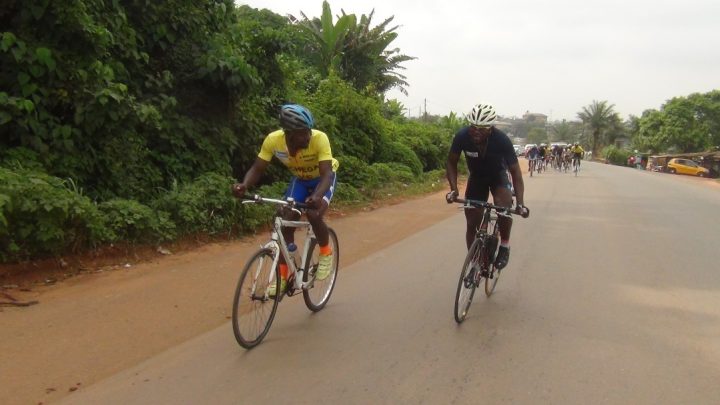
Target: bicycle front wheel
<point x="318" y="293"/>
<point x="492" y="281"/>
<point x="253" y="309"/>
<point x="469" y="280"/>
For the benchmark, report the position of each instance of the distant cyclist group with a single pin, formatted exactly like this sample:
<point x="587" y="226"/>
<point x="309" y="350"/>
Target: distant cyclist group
<point x="559" y="157"/>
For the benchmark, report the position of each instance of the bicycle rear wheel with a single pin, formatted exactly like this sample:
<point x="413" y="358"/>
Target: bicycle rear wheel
<point x="318" y="293"/>
<point x="469" y="280"/>
<point x="253" y="310"/>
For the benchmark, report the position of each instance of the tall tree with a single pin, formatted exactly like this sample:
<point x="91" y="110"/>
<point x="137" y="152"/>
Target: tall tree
<point x="367" y="61"/>
<point x="562" y="131"/>
<point x="683" y="124"/>
<point x="599" y="116"/>
<point x="328" y="37"/>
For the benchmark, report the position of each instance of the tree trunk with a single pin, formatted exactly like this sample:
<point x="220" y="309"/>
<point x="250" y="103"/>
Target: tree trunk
<point x="595" y="136"/>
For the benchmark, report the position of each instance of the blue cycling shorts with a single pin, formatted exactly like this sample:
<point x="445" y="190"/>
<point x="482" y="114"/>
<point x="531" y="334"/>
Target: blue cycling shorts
<point x="299" y="190"/>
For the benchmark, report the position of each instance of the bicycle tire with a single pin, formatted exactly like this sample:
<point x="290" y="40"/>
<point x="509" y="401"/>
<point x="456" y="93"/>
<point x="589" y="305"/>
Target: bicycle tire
<point x="248" y="305"/>
<point x="318" y="294"/>
<point x="463" y="297"/>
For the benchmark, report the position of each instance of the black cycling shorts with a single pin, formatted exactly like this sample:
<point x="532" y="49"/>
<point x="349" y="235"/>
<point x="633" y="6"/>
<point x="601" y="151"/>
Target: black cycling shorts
<point x="479" y="187"/>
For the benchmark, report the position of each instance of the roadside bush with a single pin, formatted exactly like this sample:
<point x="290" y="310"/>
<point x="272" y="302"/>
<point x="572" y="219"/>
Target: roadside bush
<point x="616" y="155"/>
<point x="131" y="221"/>
<point x="205" y="205"/>
<point x="353" y="171"/>
<point x="40" y="215"/>
<point x="396" y="151"/>
<point x="254" y="216"/>
<point x="386" y="174"/>
<point x="347" y="193"/>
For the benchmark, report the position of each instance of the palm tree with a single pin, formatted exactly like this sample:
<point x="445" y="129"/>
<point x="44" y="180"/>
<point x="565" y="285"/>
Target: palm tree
<point x="367" y="60"/>
<point x="561" y="132"/>
<point x="329" y="38"/>
<point x="599" y="116"/>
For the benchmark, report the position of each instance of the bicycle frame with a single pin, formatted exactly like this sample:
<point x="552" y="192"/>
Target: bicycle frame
<point x="491" y="213"/>
<point x="278" y="243"/>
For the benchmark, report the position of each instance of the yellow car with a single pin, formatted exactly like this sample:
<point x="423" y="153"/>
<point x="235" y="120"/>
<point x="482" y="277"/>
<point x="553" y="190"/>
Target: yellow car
<point x="686" y="166"/>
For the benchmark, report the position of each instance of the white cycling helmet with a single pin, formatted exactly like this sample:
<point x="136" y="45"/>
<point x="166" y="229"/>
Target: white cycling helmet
<point x="482" y="114"/>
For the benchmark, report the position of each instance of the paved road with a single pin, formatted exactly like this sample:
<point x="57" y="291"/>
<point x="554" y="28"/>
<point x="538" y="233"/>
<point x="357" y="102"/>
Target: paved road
<point x="612" y="295"/>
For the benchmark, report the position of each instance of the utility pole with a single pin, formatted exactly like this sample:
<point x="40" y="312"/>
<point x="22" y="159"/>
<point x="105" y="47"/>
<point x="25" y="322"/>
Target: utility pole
<point x="425" y="115"/>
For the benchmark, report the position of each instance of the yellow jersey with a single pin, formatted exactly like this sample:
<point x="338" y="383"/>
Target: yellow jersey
<point x="577" y="149"/>
<point x="305" y="164"/>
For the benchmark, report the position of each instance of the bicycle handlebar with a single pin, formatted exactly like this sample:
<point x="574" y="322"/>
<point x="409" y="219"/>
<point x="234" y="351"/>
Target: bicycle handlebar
<point x="484" y="204"/>
<point x="285" y="203"/>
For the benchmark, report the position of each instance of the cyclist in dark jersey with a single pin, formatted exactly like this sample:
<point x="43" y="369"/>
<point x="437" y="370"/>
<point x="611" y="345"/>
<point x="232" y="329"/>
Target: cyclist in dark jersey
<point x="490" y="156"/>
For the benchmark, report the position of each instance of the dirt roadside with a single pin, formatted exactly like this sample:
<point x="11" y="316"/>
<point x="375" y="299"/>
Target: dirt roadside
<point x="93" y="325"/>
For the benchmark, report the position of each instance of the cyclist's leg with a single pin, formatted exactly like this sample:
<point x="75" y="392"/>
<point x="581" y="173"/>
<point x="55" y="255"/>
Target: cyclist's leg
<point x="478" y="188"/>
<point x="299" y="191"/>
<point x="503" y="197"/>
<point x="322" y="234"/>
<point x="315" y="216"/>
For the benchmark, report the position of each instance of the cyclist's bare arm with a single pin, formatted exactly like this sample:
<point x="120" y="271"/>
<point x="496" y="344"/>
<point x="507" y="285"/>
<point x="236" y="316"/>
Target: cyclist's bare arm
<point x="451" y="170"/>
<point x="324" y="185"/>
<point x="518" y="183"/>
<point x="251" y="177"/>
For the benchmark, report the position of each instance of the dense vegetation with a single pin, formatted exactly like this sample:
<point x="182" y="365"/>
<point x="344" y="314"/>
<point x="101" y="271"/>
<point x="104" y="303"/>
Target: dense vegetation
<point x="128" y="121"/>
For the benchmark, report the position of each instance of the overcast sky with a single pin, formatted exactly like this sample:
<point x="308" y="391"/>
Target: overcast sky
<point x="551" y="57"/>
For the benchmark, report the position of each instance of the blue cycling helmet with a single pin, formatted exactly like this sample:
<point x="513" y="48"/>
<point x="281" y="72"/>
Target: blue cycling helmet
<point x="295" y="116"/>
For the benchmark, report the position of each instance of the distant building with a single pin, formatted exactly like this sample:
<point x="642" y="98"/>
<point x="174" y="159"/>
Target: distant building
<point x="535" y="118"/>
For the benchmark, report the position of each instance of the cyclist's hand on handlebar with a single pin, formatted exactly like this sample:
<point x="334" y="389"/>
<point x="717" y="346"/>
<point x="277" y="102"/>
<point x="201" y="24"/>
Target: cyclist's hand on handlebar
<point x="522" y="211"/>
<point x="239" y="189"/>
<point x="451" y="196"/>
<point x="313" y="202"/>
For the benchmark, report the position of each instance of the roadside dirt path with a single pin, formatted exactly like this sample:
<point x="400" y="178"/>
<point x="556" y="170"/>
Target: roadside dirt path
<point x="93" y="325"/>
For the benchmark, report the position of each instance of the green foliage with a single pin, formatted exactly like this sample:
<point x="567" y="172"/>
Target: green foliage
<point x="398" y="152"/>
<point x="429" y="142"/>
<point x="130" y="221"/>
<point x="384" y="174"/>
<point x="328" y="37"/>
<point x="367" y="62"/>
<point x="255" y="216"/>
<point x="129" y="97"/>
<point x="352" y="121"/>
<point x="600" y="117"/>
<point x="393" y="110"/>
<point x="150" y="107"/>
<point x="353" y="171"/>
<point x="21" y="158"/>
<point x="537" y="135"/>
<point x="616" y="155"/>
<point x="348" y="194"/>
<point x="683" y="124"/>
<point x="204" y="206"/>
<point x="40" y="215"/>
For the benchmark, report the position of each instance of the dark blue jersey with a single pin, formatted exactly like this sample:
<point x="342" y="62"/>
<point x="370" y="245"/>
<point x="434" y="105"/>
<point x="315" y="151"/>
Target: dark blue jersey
<point x="498" y="155"/>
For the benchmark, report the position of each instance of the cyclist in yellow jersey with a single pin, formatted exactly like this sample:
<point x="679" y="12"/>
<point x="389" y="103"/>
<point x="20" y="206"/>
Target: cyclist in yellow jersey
<point x="577" y="152"/>
<point x="307" y="154"/>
